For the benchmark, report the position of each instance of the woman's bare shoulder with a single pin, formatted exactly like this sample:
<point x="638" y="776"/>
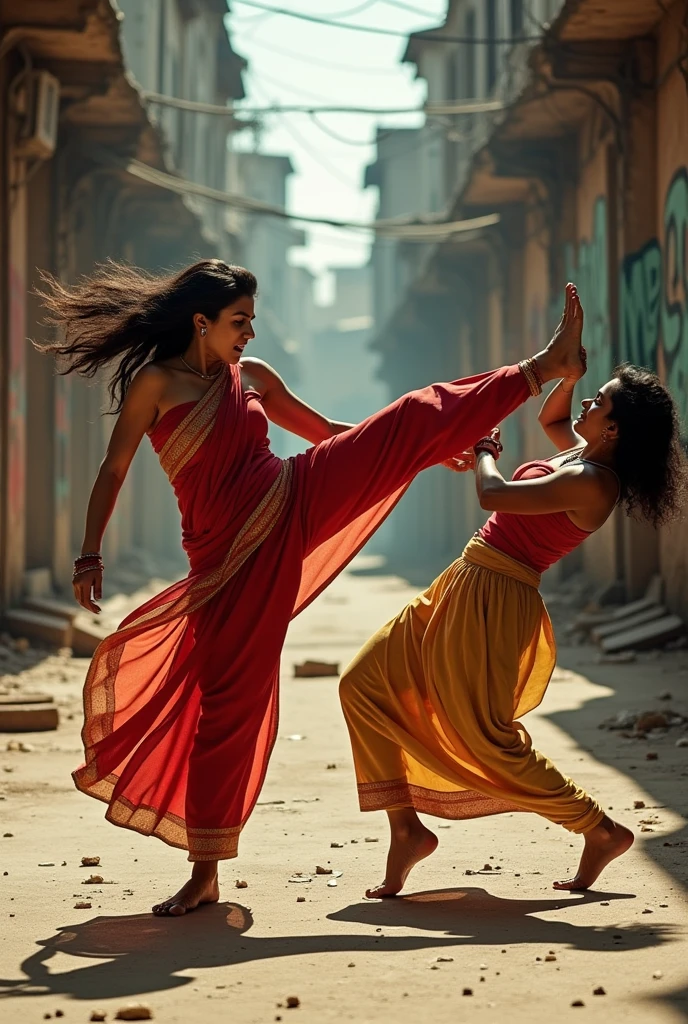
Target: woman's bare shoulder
<point x="603" y="477"/>
<point x="150" y="382"/>
<point x="258" y="368"/>
<point x="261" y="375"/>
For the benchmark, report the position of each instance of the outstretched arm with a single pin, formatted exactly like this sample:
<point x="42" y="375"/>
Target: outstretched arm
<point x="569" y="489"/>
<point x="285" y="408"/>
<point x="137" y="416"/>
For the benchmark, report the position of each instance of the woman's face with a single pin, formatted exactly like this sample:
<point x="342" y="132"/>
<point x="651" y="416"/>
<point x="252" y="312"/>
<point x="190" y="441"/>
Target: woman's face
<point x="227" y="336"/>
<point x="595" y="413"/>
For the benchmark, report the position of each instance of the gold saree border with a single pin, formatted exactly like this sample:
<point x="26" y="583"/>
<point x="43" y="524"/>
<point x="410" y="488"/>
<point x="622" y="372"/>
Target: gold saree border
<point x="187" y="438"/>
<point x="99" y="688"/>
<point x="466" y="803"/>
<point x="211" y="844"/>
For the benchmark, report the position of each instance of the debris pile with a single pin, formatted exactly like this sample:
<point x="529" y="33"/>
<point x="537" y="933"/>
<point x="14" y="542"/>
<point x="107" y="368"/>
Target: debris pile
<point x="639" y="625"/>
<point x="316" y="669"/>
<point x="643" y="725"/>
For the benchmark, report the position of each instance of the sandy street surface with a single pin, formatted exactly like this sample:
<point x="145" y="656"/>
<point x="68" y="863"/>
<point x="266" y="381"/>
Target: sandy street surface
<point x="458" y="929"/>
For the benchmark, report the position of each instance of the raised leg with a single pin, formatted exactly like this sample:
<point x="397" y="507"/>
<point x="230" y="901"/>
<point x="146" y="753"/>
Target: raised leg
<point x="349" y="473"/>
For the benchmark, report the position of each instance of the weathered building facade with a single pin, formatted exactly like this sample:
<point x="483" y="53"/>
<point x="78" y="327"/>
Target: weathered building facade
<point x="587" y="166"/>
<point x="67" y="202"/>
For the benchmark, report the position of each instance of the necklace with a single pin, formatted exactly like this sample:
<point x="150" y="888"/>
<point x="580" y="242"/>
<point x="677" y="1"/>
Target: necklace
<point x="573" y="457"/>
<point x="204" y="376"/>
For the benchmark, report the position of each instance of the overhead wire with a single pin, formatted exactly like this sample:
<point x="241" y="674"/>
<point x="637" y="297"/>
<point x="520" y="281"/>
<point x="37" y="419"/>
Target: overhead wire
<point x="433" y="109"/>
<point x="314" y="155"/>
<point x="313" y="61"/>
<point x="323" y="161"/>
<point x="314" y="117"/>
<point x="254" y="25"/>
<point x="353" y="10"/>
<point x="428" y="35"/>
<point x="287" y="86"/>
<point x="337" y="137"/>
<point x="408" y="7"/>
<point x="406" y="228"/>
<point x="421" y="232"/>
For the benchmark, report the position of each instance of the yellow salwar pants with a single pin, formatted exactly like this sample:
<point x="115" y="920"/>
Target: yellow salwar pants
<point x="432" y="700"/>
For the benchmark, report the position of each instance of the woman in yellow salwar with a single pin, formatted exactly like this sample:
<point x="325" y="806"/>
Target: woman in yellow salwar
<point x="433" y="700"/>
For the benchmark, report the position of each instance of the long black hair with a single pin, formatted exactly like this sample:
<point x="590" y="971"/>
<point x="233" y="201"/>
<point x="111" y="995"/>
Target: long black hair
<point x="649" y="456"/>
<point x="124" y="316"/>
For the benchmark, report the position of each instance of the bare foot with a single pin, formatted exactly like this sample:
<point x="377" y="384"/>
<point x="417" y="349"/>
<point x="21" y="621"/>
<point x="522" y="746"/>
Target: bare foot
<point x="565" y="356"/>
<point x="604" y="844"/>
<point x="202" y="887"/>
<point x="407" y="848"/>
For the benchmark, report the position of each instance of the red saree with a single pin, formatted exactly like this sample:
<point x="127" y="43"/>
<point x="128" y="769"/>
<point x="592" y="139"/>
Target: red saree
<point x="180" y="703"/>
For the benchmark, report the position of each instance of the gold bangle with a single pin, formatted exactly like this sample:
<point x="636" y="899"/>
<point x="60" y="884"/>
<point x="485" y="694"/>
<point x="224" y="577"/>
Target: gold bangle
<point x="525" y="370"/>
<point x="528" y="368"/>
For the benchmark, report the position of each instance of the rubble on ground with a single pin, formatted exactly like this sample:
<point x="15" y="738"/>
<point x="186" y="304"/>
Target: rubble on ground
<point x="644" y="724"/>
<point x="622" y="629"/>
<point x="315" y="669"/>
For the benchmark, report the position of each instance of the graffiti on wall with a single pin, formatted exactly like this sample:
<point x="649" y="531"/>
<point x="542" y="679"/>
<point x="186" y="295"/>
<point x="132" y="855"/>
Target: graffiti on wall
<point x="641" y="287"/>
<point x="654" y="296"/>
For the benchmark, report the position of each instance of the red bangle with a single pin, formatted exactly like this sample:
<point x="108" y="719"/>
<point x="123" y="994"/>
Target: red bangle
<point x="489" y="445"/>
<point x="87" y="563"/>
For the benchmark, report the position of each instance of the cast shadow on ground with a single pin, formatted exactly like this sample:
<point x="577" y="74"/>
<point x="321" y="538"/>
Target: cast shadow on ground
<point x="145" y="953"/>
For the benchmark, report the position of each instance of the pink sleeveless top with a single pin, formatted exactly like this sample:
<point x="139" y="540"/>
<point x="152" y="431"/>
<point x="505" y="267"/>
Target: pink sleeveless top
<point x="537" y="541"/>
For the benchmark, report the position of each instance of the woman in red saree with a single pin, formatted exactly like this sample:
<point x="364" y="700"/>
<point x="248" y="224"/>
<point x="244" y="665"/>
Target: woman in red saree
<point x="181" y="702"/>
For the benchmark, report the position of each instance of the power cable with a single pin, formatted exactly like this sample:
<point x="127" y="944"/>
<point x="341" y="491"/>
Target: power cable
<point x="253" y="25"/>
<point x="287" y="86"/>
<point x="407" y="7"/>
<point x="353" y="10"/>
<point x="404" y="228"/>
<point x="324" y="163"/>
<point x="432" y="109"/>
<point x="340" y="138"/>
<point x="377" y="30"/>
<point x="329" y="65"/>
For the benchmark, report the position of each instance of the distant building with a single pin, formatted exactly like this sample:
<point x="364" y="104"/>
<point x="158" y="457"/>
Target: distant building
<point x="71" y="119"/>
<point x="405" y="172"/>
<point x="586" y="165"/>
<point x="265" y="246"/>
<point x="266" y="242"/>
<point x="182" y="50"/>
<point x="339" y="371"/>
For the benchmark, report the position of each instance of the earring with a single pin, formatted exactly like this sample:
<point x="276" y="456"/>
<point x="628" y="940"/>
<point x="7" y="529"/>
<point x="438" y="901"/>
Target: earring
<point x="204" y="331"/>
<point x="604" y="435"/>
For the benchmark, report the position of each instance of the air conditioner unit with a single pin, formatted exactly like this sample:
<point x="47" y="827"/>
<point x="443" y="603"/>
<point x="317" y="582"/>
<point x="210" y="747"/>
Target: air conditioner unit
<point x="39" y="136"/>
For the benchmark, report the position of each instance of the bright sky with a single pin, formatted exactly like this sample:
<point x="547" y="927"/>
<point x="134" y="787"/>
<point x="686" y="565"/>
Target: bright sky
<point x="293" y="61"/>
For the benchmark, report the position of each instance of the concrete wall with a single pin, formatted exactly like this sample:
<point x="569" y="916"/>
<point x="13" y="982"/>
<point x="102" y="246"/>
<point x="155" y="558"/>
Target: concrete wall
<point x="173" y="54"/>
<point x="671" y="229"/>
<point x="64" y="215"/>
<point x="621" y="238"/>
<point x="606" y="207"/>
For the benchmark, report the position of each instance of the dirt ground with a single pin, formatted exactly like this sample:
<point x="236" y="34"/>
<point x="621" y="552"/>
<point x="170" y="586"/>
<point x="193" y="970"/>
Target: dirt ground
<point x="472" y="939"/>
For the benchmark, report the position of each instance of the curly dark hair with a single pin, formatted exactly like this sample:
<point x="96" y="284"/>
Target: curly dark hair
<point x="127" y="317"/>
<point x="649" y="456"/>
